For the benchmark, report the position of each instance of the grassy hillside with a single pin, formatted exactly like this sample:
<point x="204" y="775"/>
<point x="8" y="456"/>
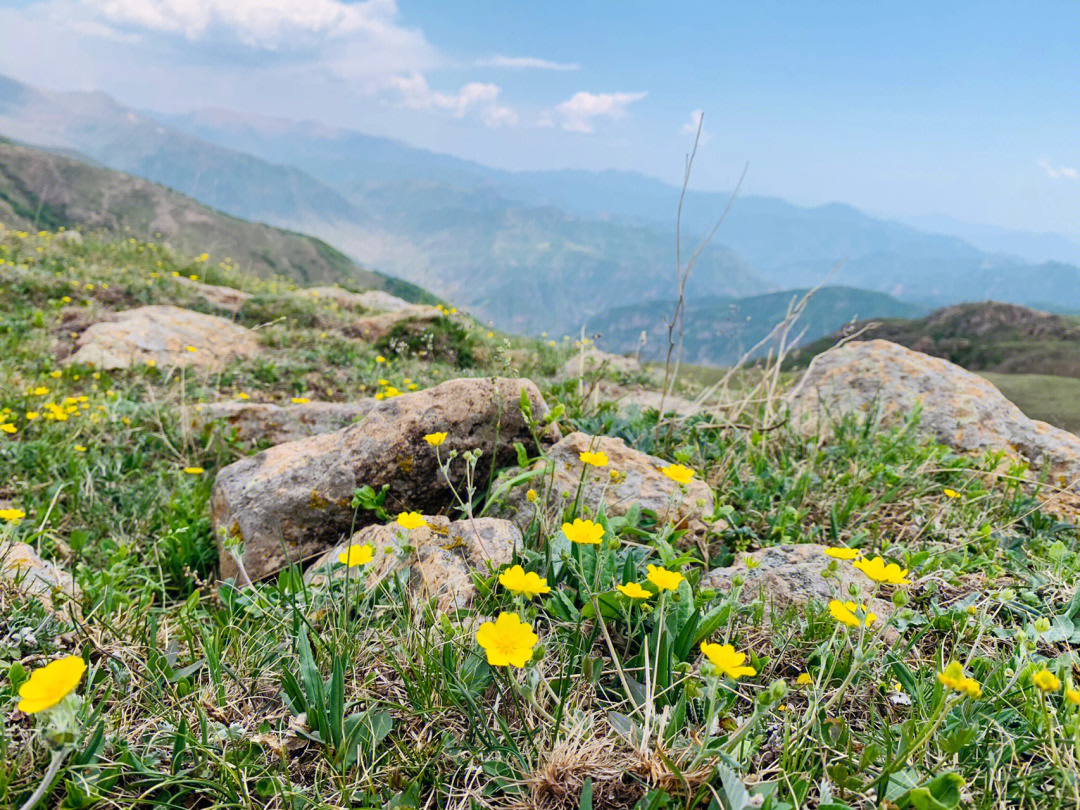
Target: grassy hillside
<point x="720" y="330"/>
<point x="986" y="336"/>
<point x="44" y="190"/>
<point x="1041" y="396"/>
<point x="201" y="693"/>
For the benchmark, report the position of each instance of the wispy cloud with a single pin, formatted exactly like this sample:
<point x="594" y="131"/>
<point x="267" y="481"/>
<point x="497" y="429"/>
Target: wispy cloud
<point x="1058" y="171"/>
<point x="580" y="111"/>
<point x="524" y="63"/>
<point x="691" y="126"/>
<point x="417" y="95"/>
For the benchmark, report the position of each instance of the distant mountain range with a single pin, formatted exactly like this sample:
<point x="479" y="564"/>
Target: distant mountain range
<point x="532" y="251"/>
<point x="41" y="189"/>
<point x="720" y="331"/>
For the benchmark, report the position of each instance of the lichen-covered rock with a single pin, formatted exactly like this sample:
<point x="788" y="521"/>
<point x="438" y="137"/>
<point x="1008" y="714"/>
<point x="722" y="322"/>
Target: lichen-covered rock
<point x="637" y="397"/>
<point x="277" y="424"/>
<point x="791" y="575"/>
<point x="376" y="327"/>
<point x="958" y="408"/>
<point x="226" y="298"/>
<point x="169" y="336"/>
<point x="293" y="501"/>
<point x="375" y="300"/>
<point x="441" y="558"/>
<point x="21" y="567"/>
<point x="640" y="482"/>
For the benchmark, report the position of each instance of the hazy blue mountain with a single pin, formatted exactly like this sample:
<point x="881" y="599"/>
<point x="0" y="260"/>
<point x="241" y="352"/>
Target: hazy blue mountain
<point x="720" y="330"/>
<point x="1035" y="246"/>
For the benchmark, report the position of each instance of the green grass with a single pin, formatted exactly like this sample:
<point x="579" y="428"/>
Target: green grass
<point x="201" y="694"/>
<point x="1041" y="396"/>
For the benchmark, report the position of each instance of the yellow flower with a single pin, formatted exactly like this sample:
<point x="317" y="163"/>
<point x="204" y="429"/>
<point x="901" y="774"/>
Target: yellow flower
<point x="725" y="659"/>
<point x="191" y="349"/>
<point x="9" y="428"/>
<point x="55" y="374"/>
<point x="508" y="641"/>
<point x="633" y="590"/>
<point x="1073" y="696"/>
<point x="803" y="679"/>
<point x="80" y="448"/>
<point x="951" y="493"/>
<point x="679" y="473"/>
<point x="12" y="515"/>
<point x="516" y="579"/>
<point x="531" y="496"/>
<point x="32" y="415"/>
<point x="878" y="571"/>
<point x="435" y="439"/>
<point x="842" y="553"/>
<point x="299" y="400"/>
<point x="584" y="532"/>
<point x="50" y="684"/>
<point x="953" y="677"/>
<point x="40" y="391"/>
<point x="597" y="459"/>
<point x="193" y="470"/>
<point x="663" y="579"/>
<point x="848" y="613"/>
<point x="411" y="520"/>
<point x="413" y="386"/>
<point x="380" y="359"/>
<point x="242" y="395"/>
<point x="356" y="555"/>
<point x="1046" y="681"/>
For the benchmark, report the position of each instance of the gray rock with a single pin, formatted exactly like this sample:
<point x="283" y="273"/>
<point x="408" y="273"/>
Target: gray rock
<point x="277" y="424"/>
<point x="441" y="558"/>
<point x="640" y="482"/>
<point x="21" y="567"/>
<point x="791" y="575"/>
<point x="292" y="501"/>
<point x="959" y="408"/>
<point x="375" y="300"/>
<point x="226" y="298"/>
<point x="165" y="335"/>
<point x="592" y="363"/>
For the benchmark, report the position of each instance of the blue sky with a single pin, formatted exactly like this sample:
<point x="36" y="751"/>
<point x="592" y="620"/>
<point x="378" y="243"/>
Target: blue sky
<point x="904" y="109"/>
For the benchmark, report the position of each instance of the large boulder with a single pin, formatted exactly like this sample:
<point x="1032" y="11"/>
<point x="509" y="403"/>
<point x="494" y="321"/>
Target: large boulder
<point x="376" y="300"/>
<point x="959" y="408"/>
<point x="169" y="336"/>
<point x="441" y="558"/>
<point x="293" y="501"/>
<point x="792" y="575"/>
<point x="277" y="424"/>
<point x="226" y="298"/>
<point x="23" y="569"/>
<point x="640" y="482"/>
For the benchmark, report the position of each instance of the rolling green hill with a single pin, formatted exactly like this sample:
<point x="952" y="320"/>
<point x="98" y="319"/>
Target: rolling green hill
<point x="720" y="330"/>
<point x="988" y="336"/>
<point x="44" y="190"/>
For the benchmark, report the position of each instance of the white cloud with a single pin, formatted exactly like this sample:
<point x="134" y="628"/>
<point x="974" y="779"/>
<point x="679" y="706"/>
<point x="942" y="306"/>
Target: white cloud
<point x="580" y="110"/>
<point x="1058" y="171"/>
<point x="417" y="95"/>
<point x="260" y="23"/>
<point x="524" y="63"/>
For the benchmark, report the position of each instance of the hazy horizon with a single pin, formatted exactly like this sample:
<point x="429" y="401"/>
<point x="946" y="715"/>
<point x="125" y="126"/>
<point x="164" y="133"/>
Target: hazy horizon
<point x="900" y="113"/>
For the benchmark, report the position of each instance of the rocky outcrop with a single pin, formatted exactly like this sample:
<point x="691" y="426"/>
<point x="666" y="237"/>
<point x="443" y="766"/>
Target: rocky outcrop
<point x="373" y="300"/>
<point x="640" y="481"/>
<point x="791" y="575"/>
<point x="168" y="336"/>
<point x="277" y="424"/>
<point x="376" y="327"/>
<point x="958" y="408"/>
<point x="22" y="568"/>
<point x="226" y="298"/>
<point x="293" y="501"/>
<point x="441" y="558"/>
<point x="628" y="398"/>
